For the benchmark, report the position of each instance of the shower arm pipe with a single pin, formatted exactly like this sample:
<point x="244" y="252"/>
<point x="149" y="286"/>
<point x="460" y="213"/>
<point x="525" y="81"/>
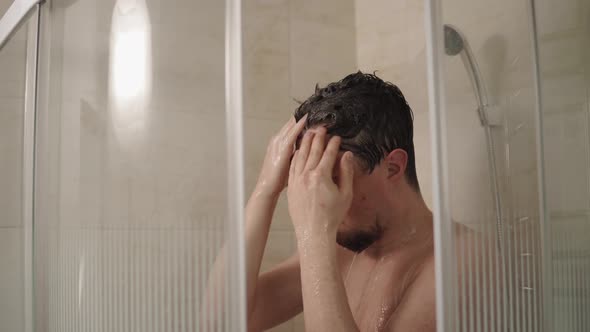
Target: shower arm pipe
<point x="478" y="86"/>
<point x="13" y="17"/>
<point x="481" y="96"/>
<point x="482" y="103"/>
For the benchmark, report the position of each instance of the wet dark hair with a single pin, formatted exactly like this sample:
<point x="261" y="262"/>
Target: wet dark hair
<point x="371" y="115"/>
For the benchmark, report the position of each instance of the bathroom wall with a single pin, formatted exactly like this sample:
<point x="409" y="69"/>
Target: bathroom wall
<point x="12" y="92"/>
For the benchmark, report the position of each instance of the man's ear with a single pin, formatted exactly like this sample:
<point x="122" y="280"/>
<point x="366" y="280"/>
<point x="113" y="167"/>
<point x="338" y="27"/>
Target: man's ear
<point x="396" y="162"/>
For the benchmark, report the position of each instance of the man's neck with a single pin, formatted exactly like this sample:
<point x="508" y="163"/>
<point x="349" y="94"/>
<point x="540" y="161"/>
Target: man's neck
<point x="409" y="221"/>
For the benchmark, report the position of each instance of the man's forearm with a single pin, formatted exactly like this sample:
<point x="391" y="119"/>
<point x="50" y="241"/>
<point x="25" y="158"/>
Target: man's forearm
<point x="259" y="211"/>
<point x="324" y="297"/>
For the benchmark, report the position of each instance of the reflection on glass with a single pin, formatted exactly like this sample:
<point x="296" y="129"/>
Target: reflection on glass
<point x="130" y="68"/>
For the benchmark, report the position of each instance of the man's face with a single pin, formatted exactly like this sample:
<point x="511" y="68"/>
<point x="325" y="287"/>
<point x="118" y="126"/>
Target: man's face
<point x="362" y="227"/>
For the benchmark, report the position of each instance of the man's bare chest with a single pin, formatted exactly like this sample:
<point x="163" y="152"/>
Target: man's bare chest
<point x="375" y="290"/>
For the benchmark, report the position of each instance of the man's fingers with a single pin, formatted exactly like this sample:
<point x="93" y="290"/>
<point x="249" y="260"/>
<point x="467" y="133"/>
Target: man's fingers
<point x="285" y="128"/>
<point x="292" y="167"/>
<point x="303" y="152"/>
<point x="330" y="154"/>
<point x="346" y="173"/>
<point x="295" y="130"/>
<point x="317" y="149"/>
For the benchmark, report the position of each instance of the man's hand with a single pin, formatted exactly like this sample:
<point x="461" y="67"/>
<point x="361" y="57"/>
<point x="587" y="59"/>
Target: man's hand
<point x="259" y="212"/>
<point x="320" y="194"/>
<point x="320" y="186"/>
<point x="275" y="168"/>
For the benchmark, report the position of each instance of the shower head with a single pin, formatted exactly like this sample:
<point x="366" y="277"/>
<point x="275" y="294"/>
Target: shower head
<point x="453" y="41"/>
<point x="456" y="44"/>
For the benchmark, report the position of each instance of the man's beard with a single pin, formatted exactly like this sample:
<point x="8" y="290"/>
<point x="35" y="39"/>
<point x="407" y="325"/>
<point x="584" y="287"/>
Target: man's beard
<point x="359" y="240"/>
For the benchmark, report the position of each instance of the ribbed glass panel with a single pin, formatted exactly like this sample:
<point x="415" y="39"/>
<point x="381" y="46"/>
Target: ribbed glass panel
<point x="133" y="216"/>
<point x="496" y="297"/>
<point x="491" y="130"/>
<point x="520" y="187"/>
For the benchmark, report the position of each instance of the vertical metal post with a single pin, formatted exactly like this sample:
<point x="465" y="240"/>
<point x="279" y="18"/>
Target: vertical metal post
<point x="443" y="225"/>
<point x="235" y="165"/>
<point x="28" y="181"/>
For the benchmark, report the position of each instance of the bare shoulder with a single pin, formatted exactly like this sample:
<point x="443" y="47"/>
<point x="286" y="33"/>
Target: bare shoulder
<point x="417" y="309"/>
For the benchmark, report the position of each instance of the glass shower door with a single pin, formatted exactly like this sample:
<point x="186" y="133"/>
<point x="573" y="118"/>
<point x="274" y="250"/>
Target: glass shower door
<point x="486" y="136"/>
<point x="133" y="183"/>
<point x="512" y="77"/>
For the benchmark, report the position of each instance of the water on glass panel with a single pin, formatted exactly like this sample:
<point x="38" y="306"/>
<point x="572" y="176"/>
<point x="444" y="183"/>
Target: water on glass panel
<point x="498" y="259"/>
<point x="501" y="283"/>
<point x="13" y="59"/>
<point x="131" y="173"/>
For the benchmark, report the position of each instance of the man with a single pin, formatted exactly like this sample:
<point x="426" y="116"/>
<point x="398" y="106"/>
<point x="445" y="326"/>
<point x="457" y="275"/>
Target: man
<point x="365" y="258"/>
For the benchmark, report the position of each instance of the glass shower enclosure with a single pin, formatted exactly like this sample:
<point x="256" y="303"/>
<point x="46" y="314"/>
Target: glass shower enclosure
<point x="121" y="173"/>
<point x="510" y="121"/>
<point x="121" y="164"/>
